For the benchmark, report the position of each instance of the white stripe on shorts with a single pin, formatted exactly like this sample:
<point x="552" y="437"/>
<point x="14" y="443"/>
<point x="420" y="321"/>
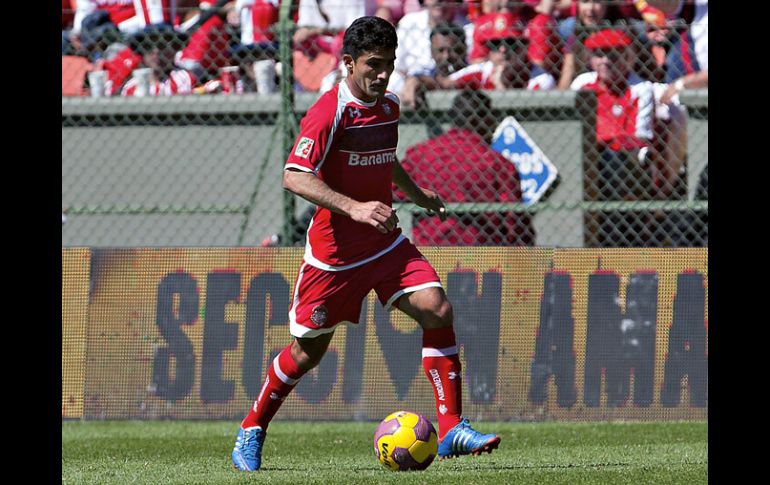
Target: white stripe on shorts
<point x="411" y="289"/>
<point x="430" y="352"/>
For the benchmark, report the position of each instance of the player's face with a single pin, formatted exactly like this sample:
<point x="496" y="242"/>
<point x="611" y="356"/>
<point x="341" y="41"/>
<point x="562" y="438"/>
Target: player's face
<point x="368" y="75"/>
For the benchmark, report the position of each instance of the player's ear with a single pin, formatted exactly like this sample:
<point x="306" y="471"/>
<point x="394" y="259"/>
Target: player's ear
<point x="348" y="60"/>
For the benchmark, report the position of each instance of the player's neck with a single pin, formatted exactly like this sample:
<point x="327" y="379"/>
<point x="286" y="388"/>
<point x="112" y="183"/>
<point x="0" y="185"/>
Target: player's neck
<point x="357" y="92"/>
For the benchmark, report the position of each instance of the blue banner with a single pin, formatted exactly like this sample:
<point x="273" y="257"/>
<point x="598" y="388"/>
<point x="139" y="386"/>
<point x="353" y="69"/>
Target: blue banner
<point x="536" y="171"/>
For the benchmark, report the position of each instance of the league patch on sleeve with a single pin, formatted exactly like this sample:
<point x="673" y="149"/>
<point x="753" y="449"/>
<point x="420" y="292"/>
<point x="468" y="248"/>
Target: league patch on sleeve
<point x="304" y="147"/>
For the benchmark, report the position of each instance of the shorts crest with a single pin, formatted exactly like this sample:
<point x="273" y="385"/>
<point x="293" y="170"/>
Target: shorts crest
<point x="319" y="315"/>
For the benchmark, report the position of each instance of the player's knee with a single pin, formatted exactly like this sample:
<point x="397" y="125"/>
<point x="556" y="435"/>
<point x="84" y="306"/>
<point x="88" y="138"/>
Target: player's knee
<point x="304" y="359"/>
<point x="441" y="315"/>
<point x="445" y="313"/>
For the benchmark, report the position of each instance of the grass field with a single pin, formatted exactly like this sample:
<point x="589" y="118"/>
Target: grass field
<point x="163" y="452"/>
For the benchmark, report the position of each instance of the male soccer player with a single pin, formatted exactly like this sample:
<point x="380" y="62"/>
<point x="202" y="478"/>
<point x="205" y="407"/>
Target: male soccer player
<point x="344" y="162"/>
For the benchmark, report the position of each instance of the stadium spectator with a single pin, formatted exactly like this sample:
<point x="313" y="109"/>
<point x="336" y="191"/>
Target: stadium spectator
<point x="671" y="131"/>
<point x="119" y="62"/>
<point x="67" y="14"/>
<point x="688" y="52"/>
<point x="244" y="57"/>
<point x="507" y="67"/>
<point x="257" y="19"/>
<point x="156" y="46"/>
<point x="209" y="33"/>
<point x="413" y="54"/>
<point x="449" y="53"/>
<point x="462" y="167"/>
<point x="318" y="39"/>
<point x="394" y="10"/>
<point x="99" y="23"/>
<point x="590" y="16"/>
<point x="624" y="134"/>
<point x="536" y="21"/>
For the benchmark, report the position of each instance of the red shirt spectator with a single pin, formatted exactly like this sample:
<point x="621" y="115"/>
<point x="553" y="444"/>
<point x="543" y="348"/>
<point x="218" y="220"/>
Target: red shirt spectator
<point x="625" y="103"/>
<point x="119" y="68"/>
<point x="119" y="11"/>
<point x="507" y="67"/>
<point x="462" y="167"/>
<point x="257" y="18"/>
<point x="67" y="14"/>
<point x="539" y="29"/>
<point x="206" y="50"/>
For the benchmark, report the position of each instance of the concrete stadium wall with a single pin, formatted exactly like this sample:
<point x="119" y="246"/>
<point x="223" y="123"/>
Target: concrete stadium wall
<point x="185" y="155"/>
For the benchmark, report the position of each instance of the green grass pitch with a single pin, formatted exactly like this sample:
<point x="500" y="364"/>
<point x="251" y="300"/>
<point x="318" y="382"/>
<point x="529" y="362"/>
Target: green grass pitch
<point x="198" y="452"/>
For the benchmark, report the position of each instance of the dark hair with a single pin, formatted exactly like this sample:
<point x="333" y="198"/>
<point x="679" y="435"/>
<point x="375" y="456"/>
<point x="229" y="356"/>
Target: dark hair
<point x="366" y="34"/>
<point x="470" y="109"/>
<point x="448" y="30"/>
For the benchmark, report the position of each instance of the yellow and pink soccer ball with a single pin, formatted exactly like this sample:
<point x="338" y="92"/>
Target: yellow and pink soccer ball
<point x="405" y="441"/>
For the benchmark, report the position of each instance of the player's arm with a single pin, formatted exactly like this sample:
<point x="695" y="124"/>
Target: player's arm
<point x="308" y="186"/>
<point x="425" y="198"/>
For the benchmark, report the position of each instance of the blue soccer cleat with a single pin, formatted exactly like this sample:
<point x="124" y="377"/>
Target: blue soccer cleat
<point x="464" y="440"/>
<point x="247" y="453"/>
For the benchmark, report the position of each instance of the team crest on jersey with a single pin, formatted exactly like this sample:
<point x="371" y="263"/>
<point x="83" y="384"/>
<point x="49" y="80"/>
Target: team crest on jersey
<point x="319" y="315"/>
<point x="303" y="147"/>
<point x="354" y="113"/>
<point x="386" y="109"/>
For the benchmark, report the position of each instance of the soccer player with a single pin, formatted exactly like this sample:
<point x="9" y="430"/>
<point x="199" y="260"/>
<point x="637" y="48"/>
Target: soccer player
<point x="344" y="162"/>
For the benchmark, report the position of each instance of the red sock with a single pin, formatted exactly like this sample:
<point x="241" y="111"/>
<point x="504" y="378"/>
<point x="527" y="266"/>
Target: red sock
<point x="442" y="366"/>
<point x="282" y="375"/>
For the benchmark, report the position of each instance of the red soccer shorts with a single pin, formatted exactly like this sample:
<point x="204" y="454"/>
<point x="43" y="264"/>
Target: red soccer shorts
<point x="324" y="299"/>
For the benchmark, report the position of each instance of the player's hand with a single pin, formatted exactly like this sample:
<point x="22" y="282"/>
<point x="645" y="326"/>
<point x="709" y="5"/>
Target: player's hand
<point x="377" y="214"/>
<point x="433" y="203"/>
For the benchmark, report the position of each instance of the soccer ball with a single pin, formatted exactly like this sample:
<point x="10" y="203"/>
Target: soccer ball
<point x="405" y="441"/>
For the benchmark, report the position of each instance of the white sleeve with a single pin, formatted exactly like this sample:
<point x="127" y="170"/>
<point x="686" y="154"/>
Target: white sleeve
<point x="84" y="8"/>
<point x="645" y="109"/>
<point x="310" y="14"/>
<point x="582" y="80"/>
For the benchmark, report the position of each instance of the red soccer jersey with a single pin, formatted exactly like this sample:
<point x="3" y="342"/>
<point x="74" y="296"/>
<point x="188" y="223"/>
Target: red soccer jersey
<point x="351" y="146"/>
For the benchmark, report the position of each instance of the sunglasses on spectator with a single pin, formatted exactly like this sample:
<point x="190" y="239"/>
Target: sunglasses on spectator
<point x="509" y="44"/>
<point x="610" y="53"/>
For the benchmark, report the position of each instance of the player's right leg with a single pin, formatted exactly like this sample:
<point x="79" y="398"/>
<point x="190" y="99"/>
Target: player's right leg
<point x="283" y="374"/>
<point x="322" y="300"/>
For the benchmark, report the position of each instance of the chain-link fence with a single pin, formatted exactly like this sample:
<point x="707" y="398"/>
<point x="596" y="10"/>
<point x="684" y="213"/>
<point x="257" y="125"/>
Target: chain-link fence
<point x="557" y="124"/>
<point x="573" y="124"/>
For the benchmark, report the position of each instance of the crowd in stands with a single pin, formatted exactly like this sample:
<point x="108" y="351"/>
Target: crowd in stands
<point x="497" y="44"/>
<point x="636" y="55"/>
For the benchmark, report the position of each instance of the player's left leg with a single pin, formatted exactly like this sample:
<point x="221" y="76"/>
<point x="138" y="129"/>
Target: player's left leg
<point x="407" y="281"/>
<point x="440" y="360"/>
